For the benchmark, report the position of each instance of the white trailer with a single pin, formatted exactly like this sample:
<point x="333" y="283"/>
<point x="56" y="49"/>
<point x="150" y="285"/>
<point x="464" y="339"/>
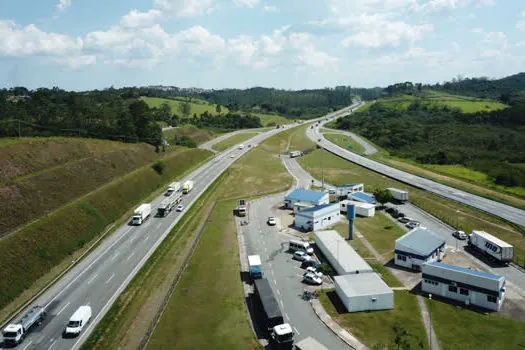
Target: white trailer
<point x="492" y="246"/>
<point x="398" y="194"/>
<point x="361" y="209"/>
<point x="187" y="187"/>
<point x="172" y="188"/>
<point x="295" y="154"/>
<point x="141" y="214"/>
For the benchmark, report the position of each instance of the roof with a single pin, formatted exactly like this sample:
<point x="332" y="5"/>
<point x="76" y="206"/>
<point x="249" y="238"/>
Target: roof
<point x="350" y="185"/>
<point x="319" y="207"/>
<point x="363" y="197"/>
<point x="492" y="239"/>
<point x="267" y="299"/>
<point x="358" y="204"/>
<point x="254" y="260"/>
<point x="305" y="195"/>
<point x="420" y="241"/>
<point x="362" y="284"/>
<point x="284" y="328"/>
<point x="466" y="270"/>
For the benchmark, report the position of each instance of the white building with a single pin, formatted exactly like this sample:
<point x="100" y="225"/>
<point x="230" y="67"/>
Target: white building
<point x="305" y="196"/>
<point x="418" y="247"/>
<point x="343" y="258"/>
<point x="364" y="292"/>
<point x="361" y="209"/>
<point x="300" y="206"/>
<point x="345" y="190"/>
<point x="465" y="285"/>
<point x="317" y="218"/>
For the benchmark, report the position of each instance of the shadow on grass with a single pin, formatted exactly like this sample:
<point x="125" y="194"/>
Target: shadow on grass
<point x="338" y="304"/>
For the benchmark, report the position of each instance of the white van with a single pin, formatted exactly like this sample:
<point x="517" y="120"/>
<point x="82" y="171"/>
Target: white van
<point x="78" y="321"/>
<point x="299" y="245"/>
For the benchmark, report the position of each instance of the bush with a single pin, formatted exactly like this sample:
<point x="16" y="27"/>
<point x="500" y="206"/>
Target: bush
<point x="159" y="167"/>
<point x="326" y="269"/>
<point x="185" y="141"/>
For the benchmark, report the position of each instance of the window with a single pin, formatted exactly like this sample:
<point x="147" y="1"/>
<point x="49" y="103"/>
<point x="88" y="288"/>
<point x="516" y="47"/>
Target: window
<point x="491" y="298"/>
<point x="434" y="283"/>
<point x="401" y="257"/>
<point x="452" y="289"/>
<point x="463" y="291"/>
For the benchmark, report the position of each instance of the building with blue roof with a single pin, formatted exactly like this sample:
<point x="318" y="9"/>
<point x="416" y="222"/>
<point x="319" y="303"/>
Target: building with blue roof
<point x="318" y="217"/>
<point x="362" y="197"/>
<point x="465" y="285"/>
<point x="418" y="247"/>
<point x="347" y="189"/>
<point x="305" y="196"/>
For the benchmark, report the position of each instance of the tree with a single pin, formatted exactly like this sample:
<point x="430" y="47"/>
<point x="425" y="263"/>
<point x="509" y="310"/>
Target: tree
<point x="185" y="109"/>
<point x="218" y="109"/>
<point x="165" y="112"/>
<point x="383" y="195"/>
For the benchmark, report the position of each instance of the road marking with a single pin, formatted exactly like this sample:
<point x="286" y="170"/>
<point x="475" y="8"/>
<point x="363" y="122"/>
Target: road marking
<point x="278" y="292"/>
<point x="109" y="279"/>
<point x="25" y="347"/>
<point x="158" y="226"/>
<point x="92" y="279"/>
<point x="296" y="331"/>
<point x="274" y="281"/>
<point x="115" y="256"/>
<point x="132" y="240"/>
<point x="281" y="302"/>
<point x="145" y="239"/>
<point x="129" y="257"/>
<point x="62" y="309"/>
<point x="286" y="315"/>
<point x="54" y="342"/>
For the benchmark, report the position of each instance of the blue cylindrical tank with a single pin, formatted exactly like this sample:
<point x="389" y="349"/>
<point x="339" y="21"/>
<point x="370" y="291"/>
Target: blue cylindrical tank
<point x="350" y="214"/>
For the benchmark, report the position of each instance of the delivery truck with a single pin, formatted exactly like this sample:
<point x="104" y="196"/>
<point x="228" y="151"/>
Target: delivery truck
<point x="15" y="333"/>
<point x="187" y="187"/>
<point x="280" y="332"/>
<point x="254" y="261"/>
<point x="173" y="187"/>
<point x="141" y="214"/>
<point x="295" y="154"/>
<point x="398" y="194"/>
<point x="493" y="247"/>
<point x="169" y="204"/>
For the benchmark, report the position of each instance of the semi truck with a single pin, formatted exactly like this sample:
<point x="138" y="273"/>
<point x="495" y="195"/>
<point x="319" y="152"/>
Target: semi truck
<point x="309" y="344"/>
<point x="491" y="246"/>
<point x="398" y="194"/>
<point x="15" y="333"/>
<point x="281" y="333"/>
<point x="173" y="187"/>
<point x="254" y="261"/>
<point x="187" y="187"/>
<point x="168" y="204"/>
<point x="141" y="214"/>
<point x="295" y="154"/>
<point x="241" y="208"/>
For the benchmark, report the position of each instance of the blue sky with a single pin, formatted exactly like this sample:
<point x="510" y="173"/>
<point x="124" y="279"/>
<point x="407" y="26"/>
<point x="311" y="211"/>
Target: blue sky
<point x="292" y="44"/>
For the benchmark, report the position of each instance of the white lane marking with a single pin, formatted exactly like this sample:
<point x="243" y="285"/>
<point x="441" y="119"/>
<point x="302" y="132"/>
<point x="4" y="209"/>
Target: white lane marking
<point x="274" y="281"/>
<point x="62" y="309"/>
<point x="25" y="347"/>
<point x="278" y="292"/>
<point x="129" y="257"/>
<point x="52" y="344"/>
<point x="158" y="226"/>
<point x="145" y="239"/>
<point x="132" y="240"/>
<point x="109" y="279"/>
<point x="115" y="256"/>
<point x="92" y="278"/>
<point x="281" y="302"/>
<point x="296" y="331"/>
<point x="286" y="315"/>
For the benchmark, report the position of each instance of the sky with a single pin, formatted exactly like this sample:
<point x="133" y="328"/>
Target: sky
<point x="290" y="44"/>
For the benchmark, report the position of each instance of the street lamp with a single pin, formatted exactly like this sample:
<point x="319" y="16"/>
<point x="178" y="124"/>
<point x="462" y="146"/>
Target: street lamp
<point x="430" y="319"/>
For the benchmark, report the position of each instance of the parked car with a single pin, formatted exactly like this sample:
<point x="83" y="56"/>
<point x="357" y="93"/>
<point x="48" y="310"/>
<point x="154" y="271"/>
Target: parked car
<point x="299" y="255"/>
<point x="459" y="235"/>
<point x="412" y="224"/>
<point x="331" y="191"/>
<point x="180" y="207"/>
<point x="310" y="263"/>
<point x="311" y="278"/>
<point x="311" y="269"/>
<point x="403" y="219"/>
<point x="271" y="221"/>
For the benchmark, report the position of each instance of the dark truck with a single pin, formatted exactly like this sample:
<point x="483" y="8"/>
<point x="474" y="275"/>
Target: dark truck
<point x="280" y="332"/>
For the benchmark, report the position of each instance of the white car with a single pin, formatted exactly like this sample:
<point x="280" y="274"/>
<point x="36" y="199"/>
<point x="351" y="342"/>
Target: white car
<point x="311" y="269"/>
<point x="180" y="207"/>
<point x="311" y="278"/>
<point x="460" y="235"/>
<point x="301" y="256"/>
<point x="232" y="156"/>
<point x="412" y="224"/>
<point x="271" y="221"/>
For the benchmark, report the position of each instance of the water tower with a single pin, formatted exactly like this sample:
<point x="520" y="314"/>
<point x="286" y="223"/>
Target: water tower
<point x="350" y="214"/>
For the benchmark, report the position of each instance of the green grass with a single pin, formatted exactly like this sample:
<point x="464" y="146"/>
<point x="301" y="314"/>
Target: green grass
<point x="386" y="274"/>
<point x="339" y="171"/>
<point x="198" y="135"/>
<point x="198" y="106"/>
<point x="376" y="328"/>
<point x="290" y="140"/>
<point x="356" y="243"/>
<point x="233" y="140"/>
<point x="344" y="141"/>
<point x="270" y="118"/>
<point x="459" y="328"/>
<point x="46" y="243"/>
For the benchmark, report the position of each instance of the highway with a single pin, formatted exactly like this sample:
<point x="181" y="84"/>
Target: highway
<point x="501" y="210"/>
<point x="98" y="279"/>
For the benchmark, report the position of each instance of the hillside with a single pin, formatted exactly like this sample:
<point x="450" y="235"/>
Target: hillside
<point x="38" y="175"/>
<point x="198" y="106"/>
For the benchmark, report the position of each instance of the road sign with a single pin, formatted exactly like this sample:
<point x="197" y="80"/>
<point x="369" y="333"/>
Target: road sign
<point x="350" y="147"/>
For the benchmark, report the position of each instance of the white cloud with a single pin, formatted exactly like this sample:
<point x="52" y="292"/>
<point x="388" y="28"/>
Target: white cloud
<point x="199" y="41"/>
<point x="184" y="8"/>
<point x="114" y="39"/>
<point x="63" y="5"/>
<point x="521" y="24"/>
<point x="77" y="61"/>
<point x="413" y="56"/>
<point x="140" y="19"/>
<point x="357" y="6"/>
<point x="268" y="8"/>
<point x="435" y="6"/>
<point x="246" y="3"/>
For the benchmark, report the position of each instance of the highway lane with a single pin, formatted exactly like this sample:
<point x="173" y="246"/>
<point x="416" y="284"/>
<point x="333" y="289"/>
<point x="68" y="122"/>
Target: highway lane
<point x="102" y="276"/>
<point x="369" y="149"/>
<point x="501" y="210"/>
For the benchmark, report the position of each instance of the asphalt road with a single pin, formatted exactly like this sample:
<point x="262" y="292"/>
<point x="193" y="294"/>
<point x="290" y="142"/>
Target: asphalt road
<point x="102" y="276"/>
<point x="284" y="274"/>
<point x="501" y="210"/>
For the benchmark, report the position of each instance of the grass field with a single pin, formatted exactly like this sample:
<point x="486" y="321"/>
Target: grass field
<point x="196" y="134"/>
<point x="290" y="140"/>
<point x="344" y="141"/>
<point x="381" y="232"/>
<point x="459" y="328"/>
<point x="339" y="171"/>
<point x="376" y="328"/>
<point x="270" y="118"/>
<point x="233" y="140"/>
<point x="46" y="243"/>
<point x="198" y="106"/>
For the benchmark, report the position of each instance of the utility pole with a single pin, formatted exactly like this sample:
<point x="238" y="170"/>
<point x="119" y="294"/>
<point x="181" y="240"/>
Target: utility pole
<point x="430" y="320"/>
<point x="19" y="135"/>
<point x="322" y="168"/>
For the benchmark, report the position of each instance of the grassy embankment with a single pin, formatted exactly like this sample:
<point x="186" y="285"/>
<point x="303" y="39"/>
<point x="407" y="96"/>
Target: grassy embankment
<point x="345" y="141"/>
<point x="39" y="175"/>
<point x="339" y="171"/>
<point x="47" y="247"/>
<point x="289" y="140"/>
<point x="198" y="106"/>
<point x="196" y="134"/>
<point x="218" y="319"/>
<point x="233" y="140"/>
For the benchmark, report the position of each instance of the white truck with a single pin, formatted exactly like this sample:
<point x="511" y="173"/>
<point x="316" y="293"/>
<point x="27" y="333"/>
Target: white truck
<point x="173" y="188"/>
<point x="15" y="333"/>
<point x="295" y="154"/>
<point x="254" y="261"/>
<point x="492" y="246"/>
<point x="168" y="204"/>
<point x="398" y="194"/>
<point x="141" y="214"/>
<point x="187" y="187"/>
